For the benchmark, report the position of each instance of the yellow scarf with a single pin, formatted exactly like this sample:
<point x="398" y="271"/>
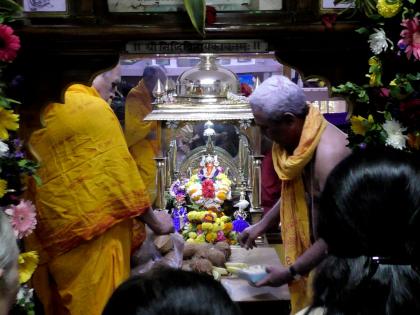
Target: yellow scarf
<point x="294" y="216"/>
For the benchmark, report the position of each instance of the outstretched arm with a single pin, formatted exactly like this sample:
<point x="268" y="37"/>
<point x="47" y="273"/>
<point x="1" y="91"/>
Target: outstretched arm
<point x="271" y="219"/>
<point x="279" y="275"/>
<point x="159" y="222"/>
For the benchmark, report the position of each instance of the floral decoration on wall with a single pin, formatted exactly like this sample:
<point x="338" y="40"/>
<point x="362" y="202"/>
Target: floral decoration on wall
<point x="13" y="164"/>
<point x="386" y="109"/>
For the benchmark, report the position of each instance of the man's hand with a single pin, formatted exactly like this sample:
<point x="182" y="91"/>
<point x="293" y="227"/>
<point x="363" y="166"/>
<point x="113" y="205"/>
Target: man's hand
<point x="160" y="222"/>
<point x="166" y="224"/>
<point x="249" y="235"/>
<point x="277" y="276"/>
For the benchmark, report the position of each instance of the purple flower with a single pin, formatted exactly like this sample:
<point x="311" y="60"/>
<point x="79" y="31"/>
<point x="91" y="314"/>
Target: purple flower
<point x="362" y="145"/>
<point x="239" y="225"/>
<point x="17" y="143"/>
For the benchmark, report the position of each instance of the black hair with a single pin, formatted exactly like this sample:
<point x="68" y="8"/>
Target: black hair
<point x="369" y="202"/>
<point x="150" y="76"/>
<point x="369" y="208"/>
<point x="168" y="291"/>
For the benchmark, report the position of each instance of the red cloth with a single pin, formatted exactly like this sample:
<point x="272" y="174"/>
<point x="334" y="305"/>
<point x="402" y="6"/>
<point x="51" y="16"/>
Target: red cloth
<point x="270" y="183"/>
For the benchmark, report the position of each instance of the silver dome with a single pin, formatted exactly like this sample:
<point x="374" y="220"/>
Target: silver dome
<point x="207" y="82"/>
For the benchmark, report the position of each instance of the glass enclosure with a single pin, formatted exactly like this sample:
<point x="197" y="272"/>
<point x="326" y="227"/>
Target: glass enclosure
<point x="199" y="103"/>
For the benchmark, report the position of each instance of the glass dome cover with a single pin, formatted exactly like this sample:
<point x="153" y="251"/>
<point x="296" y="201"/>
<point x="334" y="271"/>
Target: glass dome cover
<point x="207" y="81"/>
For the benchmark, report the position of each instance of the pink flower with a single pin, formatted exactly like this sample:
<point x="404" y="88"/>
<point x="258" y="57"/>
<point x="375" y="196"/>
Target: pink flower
<point x="9" y="43"/>
<point x="23" y="218"/>
<point x="220" y="236"/>
<point x="410" y="41"/>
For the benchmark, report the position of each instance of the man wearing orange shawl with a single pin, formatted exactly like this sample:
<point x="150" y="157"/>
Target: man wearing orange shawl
<point x="143" y="136"/>
<point x="90" y="192"/>
<point x="306" y="148"/>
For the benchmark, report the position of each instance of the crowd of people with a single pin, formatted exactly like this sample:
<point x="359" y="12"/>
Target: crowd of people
<point x="349" y="220"/>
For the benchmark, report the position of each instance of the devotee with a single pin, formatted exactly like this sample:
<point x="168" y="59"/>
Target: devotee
<point x="9" y="253"/>
<point x="306" y="148"/>
<point x="369" y="216"/>
<point x="91" y="189"/>
<point x="171" y="292"/>
<point x="143" y="137"/>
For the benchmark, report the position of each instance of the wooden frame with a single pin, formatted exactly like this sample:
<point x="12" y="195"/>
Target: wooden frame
<point x="67" y="49"/>
<point x="45" y="8"/>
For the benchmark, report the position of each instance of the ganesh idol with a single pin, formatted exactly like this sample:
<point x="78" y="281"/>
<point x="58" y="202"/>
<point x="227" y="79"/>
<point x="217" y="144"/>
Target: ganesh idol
<point x="209" y="187"/>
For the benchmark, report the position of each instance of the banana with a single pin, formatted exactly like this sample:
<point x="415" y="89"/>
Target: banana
<point x="221" y="271"/>
<point x="216" y="275"/>
<point x="236" y="265"/>
<point x="234" y="268"/>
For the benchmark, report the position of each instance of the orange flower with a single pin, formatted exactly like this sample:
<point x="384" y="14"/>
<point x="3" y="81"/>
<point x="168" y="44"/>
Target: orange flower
<point x="414" y="141"/>
<point x="228" y="227"/>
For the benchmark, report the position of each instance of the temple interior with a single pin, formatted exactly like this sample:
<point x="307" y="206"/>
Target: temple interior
<point x="209" y="157"/>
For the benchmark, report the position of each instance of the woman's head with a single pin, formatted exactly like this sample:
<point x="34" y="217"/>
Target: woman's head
<point x="370" y="205"/>
<point x="8" y="264"/>
<point x="369" y="217"/>
<point x="171" y="292"/>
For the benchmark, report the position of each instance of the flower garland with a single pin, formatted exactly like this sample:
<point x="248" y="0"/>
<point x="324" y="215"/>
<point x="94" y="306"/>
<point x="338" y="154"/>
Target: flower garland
<point x="209" y="193"/>
<point x="387" y="108"/>
<point x="203" y="193"/>
<point x="13" y="164"/>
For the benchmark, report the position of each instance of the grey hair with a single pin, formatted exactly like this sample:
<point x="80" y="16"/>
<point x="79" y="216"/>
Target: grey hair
<point x="9" y="252"/>
<point x="278" y="95"/>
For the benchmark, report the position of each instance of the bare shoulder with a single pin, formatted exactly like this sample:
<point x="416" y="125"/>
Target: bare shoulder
<point x="332" y="149"/>
<point x="333" y="142"/>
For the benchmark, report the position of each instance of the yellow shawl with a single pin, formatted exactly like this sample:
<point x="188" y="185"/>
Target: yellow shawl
<point x="89" y="179"/>
<point x="294" y="215"/>
<point x="142" y="136"/>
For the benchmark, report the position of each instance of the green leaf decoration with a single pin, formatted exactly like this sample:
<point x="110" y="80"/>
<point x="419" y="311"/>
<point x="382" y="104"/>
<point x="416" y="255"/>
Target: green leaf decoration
<point x="362" y="30"/>
<point x="196" y="10"/>
<point x="9" y="10"/>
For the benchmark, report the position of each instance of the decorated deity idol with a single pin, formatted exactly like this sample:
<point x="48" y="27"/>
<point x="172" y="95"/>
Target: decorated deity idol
<point x="198" y="201"/>
<point x="209" y="187"/>
<point x="203" y="220"/>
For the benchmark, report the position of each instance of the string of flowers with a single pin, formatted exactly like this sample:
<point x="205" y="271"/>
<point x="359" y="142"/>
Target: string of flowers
<point x="13" y="164"/>
<point x="386" y="109"/>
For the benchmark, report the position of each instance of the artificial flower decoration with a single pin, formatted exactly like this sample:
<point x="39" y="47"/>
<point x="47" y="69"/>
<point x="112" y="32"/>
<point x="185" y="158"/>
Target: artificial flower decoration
<point x="4" y="149"/>
<point x="413" y="140"/>
<point x="410" y="42"/>
<point x="378" y="41"/>
<point x="329" y="20"/>
<point x="3" y="186"/>
<point x="23" y="218"/>
<point x="10" y="43"/>
<point x="13" y="164"/>
<point x="386" y="110"/>
<point x="394" y="132"/>
<point x="375" y="71"/>
<point x="389" y="8"/>
<point x="8" y="121"/>
<point x="211" y="14"/>
<point x="27" y="264"/>
<point x="360" y="125"/>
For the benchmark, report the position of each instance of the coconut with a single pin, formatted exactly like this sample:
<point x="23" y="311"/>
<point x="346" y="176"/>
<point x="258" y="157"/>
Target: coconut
<point x="201" y="265"/>
<point x="225" y="248"/>
<point x="216" y="257"/>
